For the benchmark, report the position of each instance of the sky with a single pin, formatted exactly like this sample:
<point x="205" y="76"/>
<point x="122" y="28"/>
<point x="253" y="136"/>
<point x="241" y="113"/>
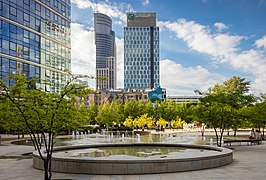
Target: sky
<point x="202" y="42"/>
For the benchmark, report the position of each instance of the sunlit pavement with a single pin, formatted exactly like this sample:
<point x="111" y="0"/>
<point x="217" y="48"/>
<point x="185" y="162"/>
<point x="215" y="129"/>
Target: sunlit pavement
<point x="249" y="163"/>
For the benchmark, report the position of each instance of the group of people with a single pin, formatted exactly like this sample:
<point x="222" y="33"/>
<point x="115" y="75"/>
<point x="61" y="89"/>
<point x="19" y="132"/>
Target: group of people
<point x="255" y="134"/>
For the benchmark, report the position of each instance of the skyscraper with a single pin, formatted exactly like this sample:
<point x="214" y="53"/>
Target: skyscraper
<point x="141" y="51"/>
<point x="35" y="41"/>
<point x="105" y="52"/>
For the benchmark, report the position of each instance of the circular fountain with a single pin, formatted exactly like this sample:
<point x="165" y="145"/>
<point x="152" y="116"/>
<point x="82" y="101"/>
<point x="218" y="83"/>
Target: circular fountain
<point x="146" y="158"/>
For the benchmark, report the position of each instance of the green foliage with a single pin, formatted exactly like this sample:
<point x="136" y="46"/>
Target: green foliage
<point x="108" y="114"/>
<point x="133" y="108"/>
<point x="257" y="115"/>
<point x="92" y="114"/>
<point x="25" y="109"/>
<point x="219" y="107"/>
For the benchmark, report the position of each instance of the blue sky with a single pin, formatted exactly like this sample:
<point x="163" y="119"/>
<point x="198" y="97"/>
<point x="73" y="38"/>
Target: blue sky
<point x="202" y="42"/>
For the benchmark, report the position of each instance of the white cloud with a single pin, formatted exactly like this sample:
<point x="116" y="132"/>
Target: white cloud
<point x="180" y="80"/>
<point x="120" y="62"/>
<point x="200" y="39"/>
<point x="83" y="51"/>
<point x="84" y="57"/>
<point x="261" y="43"/>
<point x="82" y="4"/>
<point x="113" y="10"/>
<point x="220" y="26"/>
<point x="145" y="2"/>
<point x="223" y="48"/>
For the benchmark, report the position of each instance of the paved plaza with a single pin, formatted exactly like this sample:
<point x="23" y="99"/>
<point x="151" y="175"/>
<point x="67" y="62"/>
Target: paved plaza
<point x="249" y="163"/>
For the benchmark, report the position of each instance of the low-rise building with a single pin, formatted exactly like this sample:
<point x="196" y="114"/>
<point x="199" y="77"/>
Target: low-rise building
<point x="186" y="99"/>
<point x="101" y="96"/>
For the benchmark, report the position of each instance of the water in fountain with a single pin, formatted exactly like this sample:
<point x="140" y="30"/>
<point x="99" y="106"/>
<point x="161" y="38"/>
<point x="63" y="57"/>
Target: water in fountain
<point x="117" y="134"/>
<point x="150" y="138"/>
<point x="138" y="138"/>
<point x="123" y="138"/>
<point x="96" y="137"/>
<point x="211" y="141"/>
<point x="109" y="138"/>
<point x="171" y="137"/>
<point x="112" y="136"/>
<point x="77" y="134"/>
<point x="73" y="134"/>
<point x="103" y="131"/>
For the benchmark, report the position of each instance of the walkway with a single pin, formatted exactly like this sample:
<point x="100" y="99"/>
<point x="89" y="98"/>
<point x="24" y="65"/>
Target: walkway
<point x="249" y="163"/>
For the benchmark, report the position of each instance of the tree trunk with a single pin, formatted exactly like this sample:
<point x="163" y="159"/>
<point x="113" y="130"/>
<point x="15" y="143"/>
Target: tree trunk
<point x="46" y="171"/>
<point x="202" y="130"/>
<point x="221" y="137"/>
<point x="235" y="132"/>
<point x="263" y="134"/>
<point x="217" y="137"/>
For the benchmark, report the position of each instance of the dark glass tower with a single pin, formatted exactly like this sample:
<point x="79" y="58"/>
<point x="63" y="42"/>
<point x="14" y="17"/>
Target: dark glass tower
<point x="105" y="52"/>
<point x="141" y="51"/>
<point x="35" y="41"/>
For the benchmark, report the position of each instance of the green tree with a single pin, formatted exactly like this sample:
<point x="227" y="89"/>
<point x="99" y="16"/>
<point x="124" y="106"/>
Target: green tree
<point x="218" y="107"/>
<point x="120" y="111"/>
<point x="108" y="114"/>
<point x="132" y="108"/>
<point x="92" y="113"/>
<point x="43" y="114"/>
<point x="257" y="116"/>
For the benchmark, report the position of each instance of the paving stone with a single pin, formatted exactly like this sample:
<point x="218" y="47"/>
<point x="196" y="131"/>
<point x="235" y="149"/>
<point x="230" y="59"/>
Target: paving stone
<point x="249" y="163"/>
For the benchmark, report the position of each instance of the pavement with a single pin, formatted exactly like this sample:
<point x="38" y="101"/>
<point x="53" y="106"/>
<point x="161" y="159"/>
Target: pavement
<point x="249" y="163"/>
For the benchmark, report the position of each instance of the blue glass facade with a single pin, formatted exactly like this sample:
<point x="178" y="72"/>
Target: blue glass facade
<point x="141" y="57"/>
<point x="35" y="41"/>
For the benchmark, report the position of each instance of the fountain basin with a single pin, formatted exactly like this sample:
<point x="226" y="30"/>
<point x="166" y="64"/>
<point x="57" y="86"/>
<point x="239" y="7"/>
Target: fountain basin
<point x="206" y="157"/>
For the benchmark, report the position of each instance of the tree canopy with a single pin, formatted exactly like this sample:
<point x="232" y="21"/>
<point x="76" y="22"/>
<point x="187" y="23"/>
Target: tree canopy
<point x="42" y="115"/>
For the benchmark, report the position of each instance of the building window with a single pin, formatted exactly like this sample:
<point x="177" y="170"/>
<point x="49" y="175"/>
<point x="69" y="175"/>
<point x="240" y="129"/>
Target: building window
<point x="27" y="2"/>
<point x="13" y="11"/>
<point x="26" y="17"/>
<point x="37" y="7"/>
<point x="5" y="65"/>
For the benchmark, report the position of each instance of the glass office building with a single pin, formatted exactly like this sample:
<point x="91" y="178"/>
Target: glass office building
<point x="105" y="52"/>
<point x="35" y="41"/>
<point x="141" y="51"/>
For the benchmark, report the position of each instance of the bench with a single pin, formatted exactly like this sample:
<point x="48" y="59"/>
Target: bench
<point x="239" y="141"/>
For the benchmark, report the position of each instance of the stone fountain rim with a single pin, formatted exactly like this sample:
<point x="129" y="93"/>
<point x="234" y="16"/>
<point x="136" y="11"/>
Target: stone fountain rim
<point x="221" y="150"/>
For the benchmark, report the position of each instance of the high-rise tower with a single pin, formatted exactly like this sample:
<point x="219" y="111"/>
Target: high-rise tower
<point x="35" y="41"/>
<point x="141" y="51"/>
<point x="105" y="52"/>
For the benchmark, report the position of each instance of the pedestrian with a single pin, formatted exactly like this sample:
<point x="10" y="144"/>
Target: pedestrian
<point x="252" y="134"/>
